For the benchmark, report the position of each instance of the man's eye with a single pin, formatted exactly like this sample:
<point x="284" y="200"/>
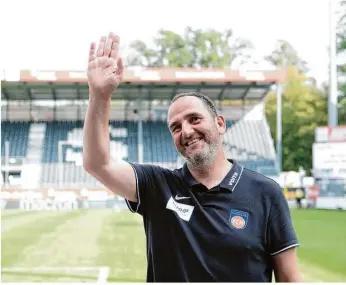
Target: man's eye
<point x="195" y="119"/>
<point x="175" y="129"/>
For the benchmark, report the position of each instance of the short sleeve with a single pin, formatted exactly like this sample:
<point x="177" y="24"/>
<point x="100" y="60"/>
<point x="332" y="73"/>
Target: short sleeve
<point x="146" y="175"/>
<point x="281" y="233"/>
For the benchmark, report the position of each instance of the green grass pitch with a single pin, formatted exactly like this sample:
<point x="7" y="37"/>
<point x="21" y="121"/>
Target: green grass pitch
<point x="84" y="246"/>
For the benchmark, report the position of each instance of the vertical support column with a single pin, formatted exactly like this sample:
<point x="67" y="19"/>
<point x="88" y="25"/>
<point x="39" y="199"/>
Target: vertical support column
<point x="61" y="166"/>
<point x="7" y="159"/>
<point x="140" y="141"/>
<point x="140" y="128"/>
<point x="7" y="109"/>
<point x="333" y="85"/>
<point x="279" y="127"/>
<point x="31" y="117"/>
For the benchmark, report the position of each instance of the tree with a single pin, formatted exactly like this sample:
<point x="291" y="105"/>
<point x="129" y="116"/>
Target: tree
<point x="304" y="107"/>
<point x="195" y="48"/>
<point x="285" y="55"/>
<point x="342" y="110"/>
<point x="341" y="28"/>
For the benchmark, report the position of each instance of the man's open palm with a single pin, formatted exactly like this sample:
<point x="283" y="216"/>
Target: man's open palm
<point x="105" y="67"/>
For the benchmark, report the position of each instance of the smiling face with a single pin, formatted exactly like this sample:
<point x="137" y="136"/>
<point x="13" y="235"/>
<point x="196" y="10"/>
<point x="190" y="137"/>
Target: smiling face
<point x="196" y="132"/>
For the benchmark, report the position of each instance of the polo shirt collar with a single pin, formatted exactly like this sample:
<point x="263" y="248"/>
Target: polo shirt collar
<point x="229" y="182"/>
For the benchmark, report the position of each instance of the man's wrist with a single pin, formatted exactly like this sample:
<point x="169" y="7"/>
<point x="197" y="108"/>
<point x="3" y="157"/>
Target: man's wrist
<point x="99" y="97"/>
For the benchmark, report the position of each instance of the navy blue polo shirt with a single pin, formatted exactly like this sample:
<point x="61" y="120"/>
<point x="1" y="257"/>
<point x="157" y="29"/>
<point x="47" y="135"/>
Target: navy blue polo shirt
<point x="226" y="234"/>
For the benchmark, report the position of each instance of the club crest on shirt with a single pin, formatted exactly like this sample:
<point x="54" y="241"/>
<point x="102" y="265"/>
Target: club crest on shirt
<point x="238" y="219"/>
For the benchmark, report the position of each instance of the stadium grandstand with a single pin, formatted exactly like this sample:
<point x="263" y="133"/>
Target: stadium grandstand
<point x="43" y="111"/>
<point x="60" y="225"/>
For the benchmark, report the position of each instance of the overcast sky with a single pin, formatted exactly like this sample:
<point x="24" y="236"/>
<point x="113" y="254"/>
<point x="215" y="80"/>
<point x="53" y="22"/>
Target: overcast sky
<point x="54" y="34"/>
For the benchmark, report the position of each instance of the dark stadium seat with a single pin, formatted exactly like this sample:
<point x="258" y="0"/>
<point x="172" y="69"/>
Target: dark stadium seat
<point x="17" y="134"/>
<point x="55" y="132"/>
<point x="73" y="132"/>
<point x="129" y="138"/>
<point x="158" y="146"/>
<point x="247" y="141"/>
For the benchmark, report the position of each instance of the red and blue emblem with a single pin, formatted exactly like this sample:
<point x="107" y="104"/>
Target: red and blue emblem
<point x="238" y="219"/>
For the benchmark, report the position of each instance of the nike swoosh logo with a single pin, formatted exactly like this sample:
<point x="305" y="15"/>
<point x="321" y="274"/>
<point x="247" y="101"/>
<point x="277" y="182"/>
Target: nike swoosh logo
<point x="181" y="198"/>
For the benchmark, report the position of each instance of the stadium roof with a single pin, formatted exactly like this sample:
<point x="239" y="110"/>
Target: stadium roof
<point x="144" y="83"/>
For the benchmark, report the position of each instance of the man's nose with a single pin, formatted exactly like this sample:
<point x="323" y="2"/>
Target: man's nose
<point x="187" y="130"/>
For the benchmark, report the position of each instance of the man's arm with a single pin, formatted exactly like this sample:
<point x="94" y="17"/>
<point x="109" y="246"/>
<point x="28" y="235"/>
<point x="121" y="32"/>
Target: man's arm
<point x="104" y="74"/>
<point x="286" y="267"/>
<point x="282" y="238"/>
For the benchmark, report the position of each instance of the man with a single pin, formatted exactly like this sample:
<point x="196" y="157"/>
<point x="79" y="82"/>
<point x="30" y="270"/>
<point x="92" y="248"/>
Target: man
<point x="212" y="220"/>
<point x="299" y="197"/>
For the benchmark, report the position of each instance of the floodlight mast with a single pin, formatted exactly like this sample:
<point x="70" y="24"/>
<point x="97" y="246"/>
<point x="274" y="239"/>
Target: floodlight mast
<point x="333" y="84"/>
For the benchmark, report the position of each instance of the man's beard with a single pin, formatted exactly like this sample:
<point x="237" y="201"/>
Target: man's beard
<point x="205" y="157"/>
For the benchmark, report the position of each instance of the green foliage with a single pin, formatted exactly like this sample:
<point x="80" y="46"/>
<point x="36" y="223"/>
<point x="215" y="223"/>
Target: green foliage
<point x="341" y="27"/>
<point x="206" y="48"/>
<point x="285" y="55"/>
<point x="342" y="109"/>
<point x="304" y="107"/>
<point x="341" y="48"/>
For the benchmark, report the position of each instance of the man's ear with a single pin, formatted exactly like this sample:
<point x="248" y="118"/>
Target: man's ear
<point x="221" y="124"/>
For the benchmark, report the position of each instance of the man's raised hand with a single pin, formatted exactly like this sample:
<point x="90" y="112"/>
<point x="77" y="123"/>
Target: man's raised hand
<point x="105" y="67"/>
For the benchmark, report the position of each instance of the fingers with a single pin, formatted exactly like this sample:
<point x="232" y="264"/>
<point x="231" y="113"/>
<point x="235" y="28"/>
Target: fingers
<point x="108" y="45"/>
<point x="120" y="69"/>
<point x="115" y="47"/>
<point x="106" y="54"/>
<point x="100" y="50"/>
<point x="92" y="51"/>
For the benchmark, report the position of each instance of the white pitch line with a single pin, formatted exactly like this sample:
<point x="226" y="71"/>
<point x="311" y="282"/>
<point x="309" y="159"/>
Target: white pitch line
<point x="103" y="275"/>
<point x="31" y="283"/>
<point x="47" y="268"/>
